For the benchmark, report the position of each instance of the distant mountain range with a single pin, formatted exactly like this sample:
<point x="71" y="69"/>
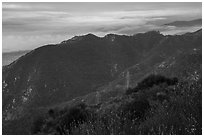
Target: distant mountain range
<point x="197" y="22"/>
<point x="86" y="66"/>
<point x="9" y="57"/>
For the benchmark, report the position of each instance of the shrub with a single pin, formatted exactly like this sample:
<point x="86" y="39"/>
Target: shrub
<point x="136" y="109"/>
<point x="152" y="80"/>
<point x="181" y="115"/>
<point x="37" y="125"/>
<point x="155" y="80"/>
<point x="144" y="112"/>
<point x="63" y="121"/>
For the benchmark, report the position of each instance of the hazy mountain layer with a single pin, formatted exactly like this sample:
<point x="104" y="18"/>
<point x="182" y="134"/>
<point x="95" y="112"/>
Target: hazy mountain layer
<point x="197" y="22"/>
<point x="9" y="57"/>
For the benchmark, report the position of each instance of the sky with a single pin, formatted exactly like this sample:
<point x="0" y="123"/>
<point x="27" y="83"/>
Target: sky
<point x="26" y="26"/>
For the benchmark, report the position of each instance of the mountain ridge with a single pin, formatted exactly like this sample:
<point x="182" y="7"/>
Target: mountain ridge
<point x="54" y="74"/>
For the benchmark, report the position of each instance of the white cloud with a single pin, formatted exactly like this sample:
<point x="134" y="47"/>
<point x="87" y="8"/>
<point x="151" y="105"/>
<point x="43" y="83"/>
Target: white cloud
<point x="13" y="6"/>
<point x="40" y="23"/>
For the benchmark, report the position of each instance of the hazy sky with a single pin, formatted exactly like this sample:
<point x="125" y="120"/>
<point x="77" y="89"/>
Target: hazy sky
<point x="30" y="25"/>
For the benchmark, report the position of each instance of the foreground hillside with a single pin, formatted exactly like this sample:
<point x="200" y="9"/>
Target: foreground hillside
<point x="158" y="105"/>
<point x="98" y="78"/>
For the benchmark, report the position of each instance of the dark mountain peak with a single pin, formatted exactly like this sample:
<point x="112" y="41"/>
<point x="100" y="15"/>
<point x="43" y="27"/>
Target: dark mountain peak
<point x="110" y="37"/>
<point x="88" y="36"/>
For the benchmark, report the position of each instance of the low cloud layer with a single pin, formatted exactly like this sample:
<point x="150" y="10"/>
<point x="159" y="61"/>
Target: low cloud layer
<point x="30" y="25"/>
